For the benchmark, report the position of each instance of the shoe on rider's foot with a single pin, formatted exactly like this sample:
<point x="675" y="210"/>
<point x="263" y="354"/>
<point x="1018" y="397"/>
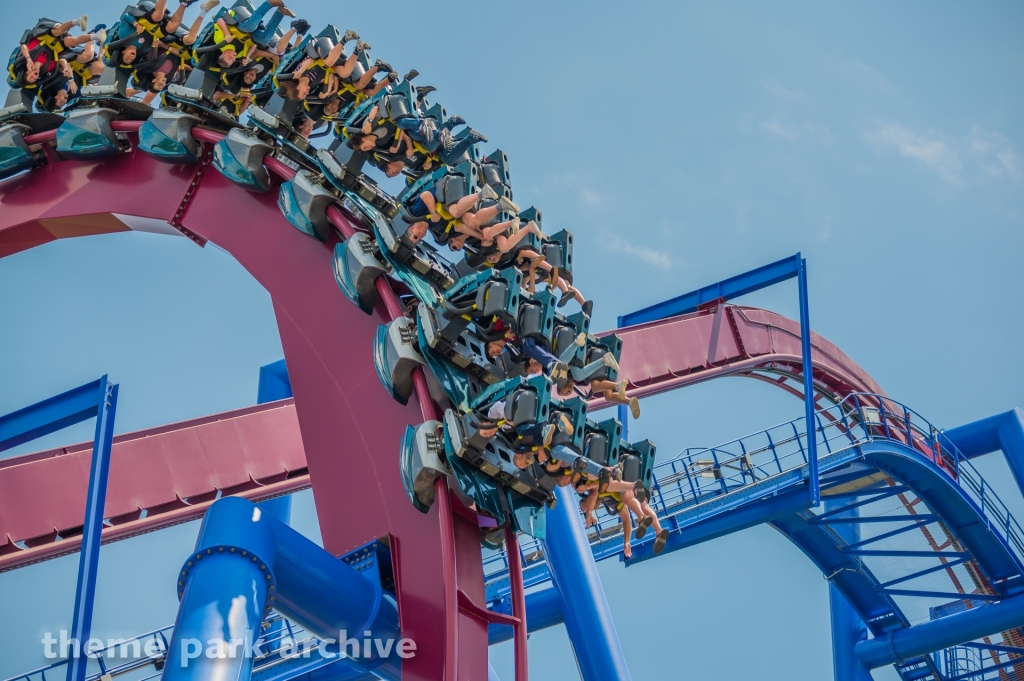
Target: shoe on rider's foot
<point x="454" y="121"/>
<point x="560" y="371"/>
<point x="566" y="297"/>
<point x="477" y="136"/>
<point x="588" y="308"/>
<point x="547" y="433"/>
<point x="659" y="543"/>
<point x="99" y="36"/>
<point x="427" y="129"/>
<point x="349" y="36"/>
<point x="423" y="91"/>
<point x="507" y="205"/>
<point x="608" y="359"/>
<point x="641" y="528"/>
<point x="620" y="390"/>
<point x="208" y="5"/>
<point x="564" y="424"/>
<point x="412" y="74"/>
<point x="279" y="4"/>
<point x="488" y="193"/>
<point x="301" y="26"/>
<point x="362" y="47"/>
<point x="83" y="22"/>
<point x="634" y="407"/>
<point x="383" y="66"/>
<point x="446" y="139"/>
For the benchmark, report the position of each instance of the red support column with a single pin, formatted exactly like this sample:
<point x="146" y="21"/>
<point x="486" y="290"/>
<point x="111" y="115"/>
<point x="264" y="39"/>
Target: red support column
<point x="515" y="578"/>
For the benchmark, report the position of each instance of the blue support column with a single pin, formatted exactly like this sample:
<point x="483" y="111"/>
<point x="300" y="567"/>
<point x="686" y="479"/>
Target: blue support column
<point x="88" y="563"/>
<point x="275" y="385"/>
<point x="848" y="629"/>
<point x="588" y="619"/>
<point x="805" y="351"/>
<point x="623" y="409"/>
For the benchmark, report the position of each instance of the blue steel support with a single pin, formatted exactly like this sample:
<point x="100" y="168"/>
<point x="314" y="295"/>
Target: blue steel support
<point x="1004" y="431"/>
<point x="727" y="289"/>
<point x="848" y="629"/>
<point x="50" y="415"/>
<point x="805" y="352"/>
<point x="588" y="619"/>
<point x="274" y="383"/>
<point x="623" y="409"/>
<point x="734" y="287"/>
<point x="543" y="610"/>
<point x="942" y="633"/>
<point x="89" y="560"/>
<point x="246" y="562"/>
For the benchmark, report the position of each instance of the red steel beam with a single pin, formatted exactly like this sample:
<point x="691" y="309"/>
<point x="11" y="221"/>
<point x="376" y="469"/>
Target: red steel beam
<point x="159" y="477"/>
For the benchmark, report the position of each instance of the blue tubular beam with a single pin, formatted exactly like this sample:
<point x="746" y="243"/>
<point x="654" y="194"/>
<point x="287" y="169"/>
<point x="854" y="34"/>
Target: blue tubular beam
<point x="848" y="629"/>
<point x="1004" y="431"/>
<point x="105" y="407"/>
<point x="246" y="562"/>
<point x="727" y="289"/>
<point x="279" y="507"/>
<point x="588" y="619"/>
<point x="945" y="632"/>
<point x="50" y="415"/>
<point x="224" y="590"/>
<point x="543" y="610"/>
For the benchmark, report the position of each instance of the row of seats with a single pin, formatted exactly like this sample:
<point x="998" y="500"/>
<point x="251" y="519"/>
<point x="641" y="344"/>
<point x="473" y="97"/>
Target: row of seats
<point x="483" y="283"/>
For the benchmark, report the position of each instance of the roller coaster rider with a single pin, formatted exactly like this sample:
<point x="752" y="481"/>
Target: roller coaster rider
<point x="41" y="49"/>
<point x="319" y="73"/>
<point x="85" y="61"/>
<point x="251" y="23"/>
<point x="234" y="89"/>
<point x="56" y="90"/>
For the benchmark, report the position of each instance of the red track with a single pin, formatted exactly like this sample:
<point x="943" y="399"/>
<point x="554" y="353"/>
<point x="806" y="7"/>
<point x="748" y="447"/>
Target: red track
<point x="159" y="477"/>
<point x="730" y="340"/>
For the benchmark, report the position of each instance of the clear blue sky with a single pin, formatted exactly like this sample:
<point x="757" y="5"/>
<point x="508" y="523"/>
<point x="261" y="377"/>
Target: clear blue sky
<point x="681" y="143"/>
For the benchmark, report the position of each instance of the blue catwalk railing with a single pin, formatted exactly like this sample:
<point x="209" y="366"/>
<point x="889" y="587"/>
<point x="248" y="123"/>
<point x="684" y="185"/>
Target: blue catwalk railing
<point x="702" y="482"/>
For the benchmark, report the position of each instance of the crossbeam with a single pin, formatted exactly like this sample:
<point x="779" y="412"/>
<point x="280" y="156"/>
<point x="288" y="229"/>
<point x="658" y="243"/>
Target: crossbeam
<point x="727" y="289"/>
<point x="53" y="414"/>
